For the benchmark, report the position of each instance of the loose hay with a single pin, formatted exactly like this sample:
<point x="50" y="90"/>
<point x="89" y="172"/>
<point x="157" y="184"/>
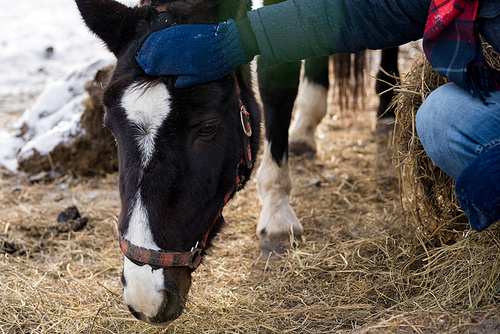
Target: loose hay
<point x="357" y="270"/>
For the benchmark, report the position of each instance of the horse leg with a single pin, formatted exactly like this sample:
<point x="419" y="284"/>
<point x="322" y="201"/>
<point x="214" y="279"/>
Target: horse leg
<point x="278" y="87"/>
<point x="384" y="85"/>
<point x="310" y="106"/>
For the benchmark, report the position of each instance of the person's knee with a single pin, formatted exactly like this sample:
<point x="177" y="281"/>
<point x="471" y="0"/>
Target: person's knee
<point x="454" y="126"/>
<point x="431" y="125"/>
<point x="436" y="125"/>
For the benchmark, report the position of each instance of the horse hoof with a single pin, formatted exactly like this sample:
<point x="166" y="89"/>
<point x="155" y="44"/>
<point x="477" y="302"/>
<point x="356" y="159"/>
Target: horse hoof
<point x="301" y="149"/>
<point x="274" y="244"/>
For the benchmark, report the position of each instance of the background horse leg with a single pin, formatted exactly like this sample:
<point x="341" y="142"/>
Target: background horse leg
<point x="385" y="114"/>
<point x="311" y="106"/>
<point x="278" y="87"/>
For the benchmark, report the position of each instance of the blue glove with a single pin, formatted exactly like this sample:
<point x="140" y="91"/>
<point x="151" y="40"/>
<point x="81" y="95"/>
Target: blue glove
<point x="196" y="53"/>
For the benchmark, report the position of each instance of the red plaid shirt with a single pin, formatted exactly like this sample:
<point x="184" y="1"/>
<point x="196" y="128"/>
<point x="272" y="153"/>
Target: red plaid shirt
<point x="453" y="47"/>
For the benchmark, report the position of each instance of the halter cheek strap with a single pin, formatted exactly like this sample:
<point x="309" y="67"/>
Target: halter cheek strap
<point x="247" y="127"/>
<point x="192" y="259"/>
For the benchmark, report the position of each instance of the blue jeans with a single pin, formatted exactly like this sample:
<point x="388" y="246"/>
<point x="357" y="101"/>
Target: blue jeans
<point x="455" y="128"/>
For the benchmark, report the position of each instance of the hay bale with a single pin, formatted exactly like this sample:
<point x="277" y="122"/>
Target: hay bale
<point x="491" y="56"/>
<point x="427" y="192"/>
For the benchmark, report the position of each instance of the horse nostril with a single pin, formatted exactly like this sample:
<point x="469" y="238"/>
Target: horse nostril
<point x="137" y="315"/>
<point x="171" y="309"/>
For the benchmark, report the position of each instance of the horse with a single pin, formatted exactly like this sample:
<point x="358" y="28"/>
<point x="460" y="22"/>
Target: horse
<point x="183" y="153"/>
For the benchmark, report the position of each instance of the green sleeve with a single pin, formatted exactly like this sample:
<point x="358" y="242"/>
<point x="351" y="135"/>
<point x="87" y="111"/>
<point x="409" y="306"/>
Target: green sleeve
<point x="299" y="29"/>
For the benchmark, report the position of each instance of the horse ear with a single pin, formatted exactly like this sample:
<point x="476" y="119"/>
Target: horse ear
<point x="111" y="21"/>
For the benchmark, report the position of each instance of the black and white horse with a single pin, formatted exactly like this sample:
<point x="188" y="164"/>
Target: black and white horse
<point x="184" y="152"/>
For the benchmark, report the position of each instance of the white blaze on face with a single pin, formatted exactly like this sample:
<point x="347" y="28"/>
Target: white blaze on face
<point x="143" y="285"/>
<point x="147" y="107"/>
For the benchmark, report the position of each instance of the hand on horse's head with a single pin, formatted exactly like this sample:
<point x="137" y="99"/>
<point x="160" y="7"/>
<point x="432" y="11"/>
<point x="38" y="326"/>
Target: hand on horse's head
<point x="197" y="53"/>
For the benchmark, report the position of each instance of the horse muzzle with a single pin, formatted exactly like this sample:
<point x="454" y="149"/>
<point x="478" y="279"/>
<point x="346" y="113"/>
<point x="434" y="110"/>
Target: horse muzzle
<point x="171" y="308"/>
<point x="155" y="296"/>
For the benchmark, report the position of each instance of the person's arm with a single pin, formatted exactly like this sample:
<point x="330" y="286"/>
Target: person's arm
<point x="288" y="31"/>
<point x="300" y="29"/>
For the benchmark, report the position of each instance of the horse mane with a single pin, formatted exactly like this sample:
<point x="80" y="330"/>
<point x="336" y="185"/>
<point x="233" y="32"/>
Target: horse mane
<point x="202" y="11"/>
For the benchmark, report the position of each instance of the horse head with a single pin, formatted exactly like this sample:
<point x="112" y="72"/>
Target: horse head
<point x="182" y="152"/>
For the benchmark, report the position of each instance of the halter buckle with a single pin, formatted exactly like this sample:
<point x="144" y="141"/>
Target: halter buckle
<point x="194" y="258"/>
<point x="245" y="121"/>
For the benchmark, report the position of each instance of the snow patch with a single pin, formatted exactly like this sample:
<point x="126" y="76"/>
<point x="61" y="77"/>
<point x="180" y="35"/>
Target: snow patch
<point x="59" y="100"/>
<point x="40" y="43"/>
<point x="8" y="151"/>
<point x="54" y="118"/>
<point x="40" y="40"/>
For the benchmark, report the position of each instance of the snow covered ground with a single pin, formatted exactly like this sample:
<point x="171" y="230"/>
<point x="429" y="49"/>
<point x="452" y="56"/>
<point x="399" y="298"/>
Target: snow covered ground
<point x="43" y="44"/>
<point x="42" y="40"/>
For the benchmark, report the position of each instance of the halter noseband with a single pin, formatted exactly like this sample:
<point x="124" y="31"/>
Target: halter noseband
<point x="192" y="259"/>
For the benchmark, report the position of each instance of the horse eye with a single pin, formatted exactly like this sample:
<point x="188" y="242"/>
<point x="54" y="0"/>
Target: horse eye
<point x="208" y="129"/>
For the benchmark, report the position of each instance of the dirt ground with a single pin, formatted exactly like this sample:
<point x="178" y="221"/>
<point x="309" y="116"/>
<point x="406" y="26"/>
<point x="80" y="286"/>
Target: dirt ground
<point x="360" y="268"/>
